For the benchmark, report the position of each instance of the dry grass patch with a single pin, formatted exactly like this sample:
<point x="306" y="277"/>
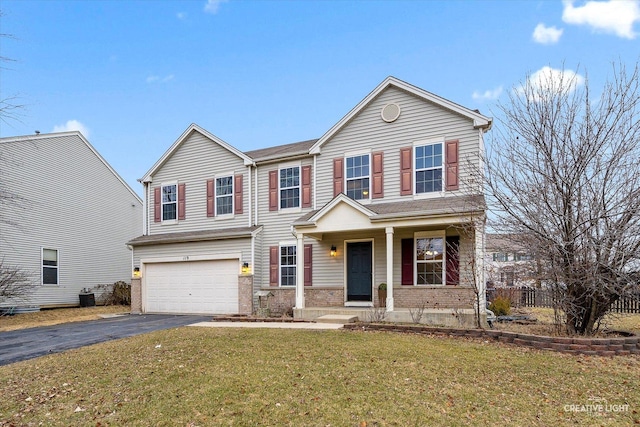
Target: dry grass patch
<point x="209" y="376"/>
<point x="57" y="316"/>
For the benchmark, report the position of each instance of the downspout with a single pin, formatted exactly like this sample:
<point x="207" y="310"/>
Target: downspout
<point x="313" y="178"/>
<point x="145" y="188"/>
<point x="250" y="207"/>
<point x="255" y="174"/>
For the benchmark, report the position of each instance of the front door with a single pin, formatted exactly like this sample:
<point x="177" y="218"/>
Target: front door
<point x="359" y="275"/>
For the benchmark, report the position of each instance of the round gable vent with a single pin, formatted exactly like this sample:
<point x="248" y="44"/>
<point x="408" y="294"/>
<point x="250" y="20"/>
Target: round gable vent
<point x="390" y="112"/>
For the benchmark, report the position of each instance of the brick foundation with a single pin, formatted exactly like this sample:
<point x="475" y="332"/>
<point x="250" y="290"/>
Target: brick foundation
<point x="245" y="294"/>
<point x="333" y="297"/>
<point x="442" y="297"/>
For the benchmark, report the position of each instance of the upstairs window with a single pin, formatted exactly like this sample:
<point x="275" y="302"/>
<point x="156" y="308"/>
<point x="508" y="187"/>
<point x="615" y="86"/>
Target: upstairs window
<point x="357" y="171"/>
<point x="428" y="168"/>
<point x="224" y="195"/>
<point x="290" y="187"/>
<point x="49" y="266"/>
<point x="169" y="202"/>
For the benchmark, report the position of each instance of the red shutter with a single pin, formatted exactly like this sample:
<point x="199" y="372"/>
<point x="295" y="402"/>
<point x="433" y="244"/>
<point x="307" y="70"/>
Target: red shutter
<point x="378" y="177"/>
<point x="306" y="186"/>
<point x="157" y="205"/>
<point x="181" y="201"/>
<point x="273" y="265"/>
<point x="237" y="193"/>
<point x="211" y="207"/>
<point x="406" y="172"/>
<point x="338" y="170"/>
<point x="453" y="260"/>
<point x="308" y="251"/>
<point x="273" y="190"/>
<point x="451" y="157"/>
<point x="407" y="261"/>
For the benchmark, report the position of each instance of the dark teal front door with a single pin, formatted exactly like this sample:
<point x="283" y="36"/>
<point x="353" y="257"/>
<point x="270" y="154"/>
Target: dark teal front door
<point x="359" y="271"/>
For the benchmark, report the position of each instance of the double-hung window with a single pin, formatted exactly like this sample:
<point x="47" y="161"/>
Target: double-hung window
<point x="428" y="168"/>
<point x="224" y="195"/>
<point x="290" y="187"/>
<point x="169" y="202"/>
<point x="288" y="265"/>
<point x="357" y="174"/>
<point x="49" y="266"/>
<point x="429" y="259"/>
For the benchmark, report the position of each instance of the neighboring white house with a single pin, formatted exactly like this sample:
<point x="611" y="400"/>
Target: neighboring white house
<point x="75" y="215"/>
<point x="508" y="262"/>
<point x="381" y="197"/>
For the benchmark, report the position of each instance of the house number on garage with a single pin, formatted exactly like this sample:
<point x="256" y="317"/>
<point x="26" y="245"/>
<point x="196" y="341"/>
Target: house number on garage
<point x="185" y="258"/>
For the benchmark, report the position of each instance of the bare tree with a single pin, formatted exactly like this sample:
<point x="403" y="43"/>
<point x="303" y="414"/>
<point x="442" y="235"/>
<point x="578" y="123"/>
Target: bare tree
<point x="564" y="176"/>
<point x="9" y="104"/>
<point x="15" y="284"/>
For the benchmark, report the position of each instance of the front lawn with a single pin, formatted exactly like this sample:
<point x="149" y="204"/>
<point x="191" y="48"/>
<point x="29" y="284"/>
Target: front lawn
<point x="57" y="316"/>
<point x="208" y="376"/>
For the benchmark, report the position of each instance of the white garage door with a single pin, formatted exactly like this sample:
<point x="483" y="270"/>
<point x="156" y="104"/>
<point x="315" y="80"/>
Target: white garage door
<point x="195" y="287"/>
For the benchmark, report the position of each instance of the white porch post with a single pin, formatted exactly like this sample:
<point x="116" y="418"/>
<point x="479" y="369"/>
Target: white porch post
<point x="389" y="231"/>
<point x="300" y="270"/>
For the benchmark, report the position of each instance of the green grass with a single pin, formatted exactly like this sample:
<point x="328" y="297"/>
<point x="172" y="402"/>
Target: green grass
<point x="210" y="376"/>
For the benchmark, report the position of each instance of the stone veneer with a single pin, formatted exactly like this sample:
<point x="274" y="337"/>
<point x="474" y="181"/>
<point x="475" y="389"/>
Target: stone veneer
<point x="445" y="297"/>
<point x="136" y="295"/>
<point x="571" y="345"/>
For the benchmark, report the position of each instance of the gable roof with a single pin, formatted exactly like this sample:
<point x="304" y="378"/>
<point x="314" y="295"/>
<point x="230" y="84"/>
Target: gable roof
<point x="185" y="135"/>
<point x="43" y="136"/>
<point x="479" y="120"/>
<point x="280" y="151"/>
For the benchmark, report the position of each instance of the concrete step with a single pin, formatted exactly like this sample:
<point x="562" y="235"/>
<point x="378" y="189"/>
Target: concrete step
<point x="337" y="318"/>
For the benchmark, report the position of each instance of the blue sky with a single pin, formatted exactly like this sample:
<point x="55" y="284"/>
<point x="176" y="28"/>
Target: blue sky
<point x="132" y="75"/>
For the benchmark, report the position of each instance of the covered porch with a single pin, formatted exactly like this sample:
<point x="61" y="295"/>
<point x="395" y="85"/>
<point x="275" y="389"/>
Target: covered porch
<point x="366" y="245"/>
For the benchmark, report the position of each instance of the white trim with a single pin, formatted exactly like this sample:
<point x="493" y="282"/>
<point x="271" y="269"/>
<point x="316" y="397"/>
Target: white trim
<point x="42" y="266"/>
<point x="348" y="303"/>
<point x="162" y="203"/>
<point x="257" y="207"/>
<point x="250" y="200"/>
<point x="232" y="195"/>
<point x="148" y="177"/>
<point x="313" y="179"/>
<point x="414" y="171"/>
<point x="287" y="245"/>
<point x="430" y="235"/>
<point x="290" y="165"/>
<point x="346" y="179"/>
<point x="338" y="199"/>
<point x="479" y="120"/>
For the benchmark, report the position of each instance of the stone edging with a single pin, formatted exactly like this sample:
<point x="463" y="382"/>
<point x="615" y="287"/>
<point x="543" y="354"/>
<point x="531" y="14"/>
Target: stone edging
<point x="590" y="346"/>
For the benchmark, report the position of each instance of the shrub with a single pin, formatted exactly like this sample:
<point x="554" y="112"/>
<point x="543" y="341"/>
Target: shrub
<point x="500" y="306"/>
<point x="118" y="293"/>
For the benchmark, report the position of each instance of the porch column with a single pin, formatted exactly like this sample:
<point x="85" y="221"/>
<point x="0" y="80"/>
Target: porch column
<point x="389" y="231"/>
<point x="300" y="270"/>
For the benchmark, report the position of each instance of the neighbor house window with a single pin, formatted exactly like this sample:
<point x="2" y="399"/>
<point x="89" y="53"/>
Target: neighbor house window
<point x="169" y="202"/>
<point x="429" y="258"/>
<point x="287" y="265"/>
<point x="428" y="168"/>
<point x="224" y="195"/>
<point x="500" y="256"/>
<point x="290" y="187"/>
<point x="357" y="171"/>
<point x="49" y="266"/>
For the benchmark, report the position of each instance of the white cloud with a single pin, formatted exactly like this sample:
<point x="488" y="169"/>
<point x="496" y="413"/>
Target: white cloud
<point x="158" y="79"/>
<point x="72" y="125"/>
<point x="613" y="16"/>
<point x="212" y="6"/>
<point x="552" y="80"/>
<point x="487" y="95"/>
<point x="546" y="35"/>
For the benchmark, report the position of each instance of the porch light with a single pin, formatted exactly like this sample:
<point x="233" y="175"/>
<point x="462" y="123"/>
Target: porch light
<point x="136" y="272"/>
<point x="245" y="268"/>
<point x="334" y="251"/>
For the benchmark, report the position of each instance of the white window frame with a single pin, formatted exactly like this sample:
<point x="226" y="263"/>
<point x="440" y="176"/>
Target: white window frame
<point x="429" y="235"/>
<point x="282" y="245"/>
<point x="347" y="179"/>
<point x="415" y="170"/>
<point x="216" y="196"/>
<point x="163" y="203"/>
<point x="282" y="167"/>
<point x="42" y="266"/>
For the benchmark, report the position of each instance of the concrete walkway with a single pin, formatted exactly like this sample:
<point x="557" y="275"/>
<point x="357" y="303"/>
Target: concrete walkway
<point x="269" y="325"/>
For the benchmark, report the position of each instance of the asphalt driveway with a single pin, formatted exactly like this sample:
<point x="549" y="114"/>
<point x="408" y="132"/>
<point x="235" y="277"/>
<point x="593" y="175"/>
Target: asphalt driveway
<point x="26" y="344"/>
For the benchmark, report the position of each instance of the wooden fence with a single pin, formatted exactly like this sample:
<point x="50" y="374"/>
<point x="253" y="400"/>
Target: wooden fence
<point x="532" y="297"/>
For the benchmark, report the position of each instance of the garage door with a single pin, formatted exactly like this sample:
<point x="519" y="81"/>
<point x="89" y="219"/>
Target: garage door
<point x="195" y="287"/>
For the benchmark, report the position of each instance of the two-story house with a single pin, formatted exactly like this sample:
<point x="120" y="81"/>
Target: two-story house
<point x="384" y="196"/>
<point x="65" y="216"/>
